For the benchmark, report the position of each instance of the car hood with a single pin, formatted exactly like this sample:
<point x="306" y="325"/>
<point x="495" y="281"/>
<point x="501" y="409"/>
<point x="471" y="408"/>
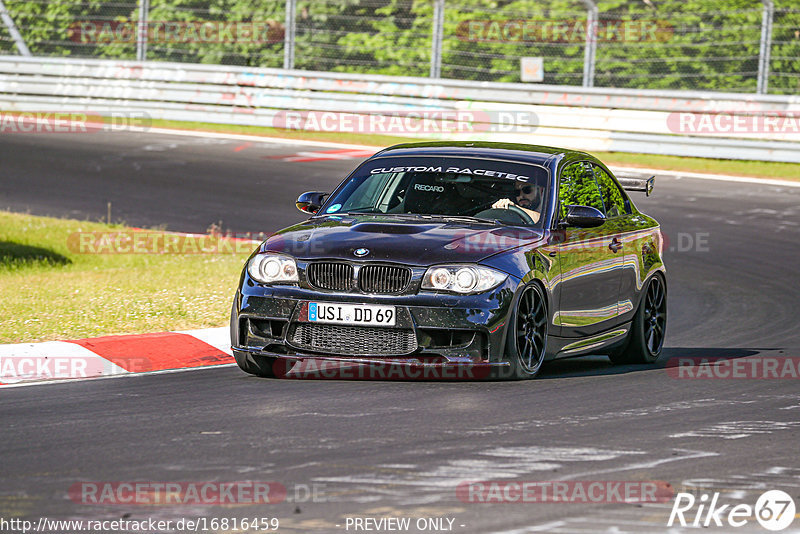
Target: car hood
<point x="405" y="240"/>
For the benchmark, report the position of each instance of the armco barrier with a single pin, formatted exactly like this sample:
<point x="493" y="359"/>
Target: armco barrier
<point x="594" y="119"/>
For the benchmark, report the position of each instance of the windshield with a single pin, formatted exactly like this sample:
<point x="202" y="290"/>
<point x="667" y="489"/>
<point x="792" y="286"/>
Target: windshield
<point x="488" y="190"/>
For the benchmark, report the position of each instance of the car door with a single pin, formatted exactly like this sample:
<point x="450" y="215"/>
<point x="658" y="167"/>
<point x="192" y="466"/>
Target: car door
<point x="590" y="259"/>
<point x="625" y="228"/>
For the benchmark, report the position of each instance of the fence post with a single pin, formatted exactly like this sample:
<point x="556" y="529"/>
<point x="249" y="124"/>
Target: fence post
<point x="22" y="48"/>
<point x="436" y="39"/>
<point x="290" y="26"/>
<point x="590" y="48"/>
<point x="766" y="46"/>
<point x="141" y="37"/>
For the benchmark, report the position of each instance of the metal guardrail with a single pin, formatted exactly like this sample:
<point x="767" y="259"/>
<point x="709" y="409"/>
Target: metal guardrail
<point x="591" y="119"/>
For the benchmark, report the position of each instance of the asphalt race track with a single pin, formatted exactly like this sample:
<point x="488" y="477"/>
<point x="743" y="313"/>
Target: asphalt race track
<point x="379" y="449"/>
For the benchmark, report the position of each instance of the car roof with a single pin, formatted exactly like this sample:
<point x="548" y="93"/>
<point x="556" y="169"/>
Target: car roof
<point x="519" y="152"/>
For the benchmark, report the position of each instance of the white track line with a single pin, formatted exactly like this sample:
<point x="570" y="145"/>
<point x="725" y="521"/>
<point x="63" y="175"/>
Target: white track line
<point x="109" y="377"/>
<point x="260" y="139"/>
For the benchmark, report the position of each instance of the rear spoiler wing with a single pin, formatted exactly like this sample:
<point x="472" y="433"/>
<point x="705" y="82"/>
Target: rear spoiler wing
<point x="644" y="185"/>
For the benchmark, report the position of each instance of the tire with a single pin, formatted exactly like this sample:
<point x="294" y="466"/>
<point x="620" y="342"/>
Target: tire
<point x="526" y="339"/>
<point x="648" y="328"/>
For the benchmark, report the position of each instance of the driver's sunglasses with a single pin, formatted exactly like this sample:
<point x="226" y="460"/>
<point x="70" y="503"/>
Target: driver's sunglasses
<point x="524" y="190"/>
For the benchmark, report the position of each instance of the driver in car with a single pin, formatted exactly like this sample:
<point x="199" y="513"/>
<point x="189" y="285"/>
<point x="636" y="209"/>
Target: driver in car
<point x="527" y="197"/>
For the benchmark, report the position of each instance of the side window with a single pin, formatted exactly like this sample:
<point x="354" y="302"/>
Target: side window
<point x="577" y="186"/>
<point x="613" y="198"/>
<point x="363" y="195"/>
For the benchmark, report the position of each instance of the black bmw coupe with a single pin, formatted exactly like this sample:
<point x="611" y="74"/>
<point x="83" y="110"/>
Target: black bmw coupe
<point x="457" y="260"/>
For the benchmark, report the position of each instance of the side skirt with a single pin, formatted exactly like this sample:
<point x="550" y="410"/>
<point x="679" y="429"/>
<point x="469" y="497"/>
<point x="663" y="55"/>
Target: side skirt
<point x="568" y="347"/>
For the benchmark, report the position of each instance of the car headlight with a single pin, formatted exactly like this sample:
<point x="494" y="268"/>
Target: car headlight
<point x="462" y="278"/>
<point x="270" y="268"/>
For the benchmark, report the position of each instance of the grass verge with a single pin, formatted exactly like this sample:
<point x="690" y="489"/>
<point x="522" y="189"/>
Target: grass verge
<point x="52" y="287"/>
<point x="758" y="169"/>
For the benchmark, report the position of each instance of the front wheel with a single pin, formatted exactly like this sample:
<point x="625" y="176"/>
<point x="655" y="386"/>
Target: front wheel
<point x="649" y="325"/>
<point x="527" y="333"/>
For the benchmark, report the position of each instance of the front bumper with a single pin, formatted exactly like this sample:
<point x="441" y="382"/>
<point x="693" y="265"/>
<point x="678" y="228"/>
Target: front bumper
<point x="452" y="336"/>
<point x="353" y="368"/>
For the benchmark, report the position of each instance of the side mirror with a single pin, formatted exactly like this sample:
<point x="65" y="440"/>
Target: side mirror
<point x="584" y="216"/>
<point x="310" y="201"/>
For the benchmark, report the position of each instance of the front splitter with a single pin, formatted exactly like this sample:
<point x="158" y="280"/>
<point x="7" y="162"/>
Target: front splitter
<point x="369" y="368"/>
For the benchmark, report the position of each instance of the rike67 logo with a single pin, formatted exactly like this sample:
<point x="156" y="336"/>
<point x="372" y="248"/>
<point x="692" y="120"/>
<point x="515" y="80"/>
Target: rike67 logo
<point x="774" y="510"/>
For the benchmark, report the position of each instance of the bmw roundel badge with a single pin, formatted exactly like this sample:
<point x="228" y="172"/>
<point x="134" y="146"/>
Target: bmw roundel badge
<point x="360" y="252"/>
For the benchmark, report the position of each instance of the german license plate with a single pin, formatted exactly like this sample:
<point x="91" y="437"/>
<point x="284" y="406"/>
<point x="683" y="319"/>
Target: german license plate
<point x="360" y="314"/>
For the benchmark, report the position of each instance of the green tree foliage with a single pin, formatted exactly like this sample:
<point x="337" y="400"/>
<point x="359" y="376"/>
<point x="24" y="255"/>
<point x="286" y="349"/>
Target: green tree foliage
<point x="658" y="44"/>
<point x="785" y="58"/>
<point x="486" y="38"/>
<point x="579" y="188"/>
<point x="612" y="197"/>
<point x="51" y="28"/>
<point x="376" y="36"/>
<point x="261" y="47"/>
